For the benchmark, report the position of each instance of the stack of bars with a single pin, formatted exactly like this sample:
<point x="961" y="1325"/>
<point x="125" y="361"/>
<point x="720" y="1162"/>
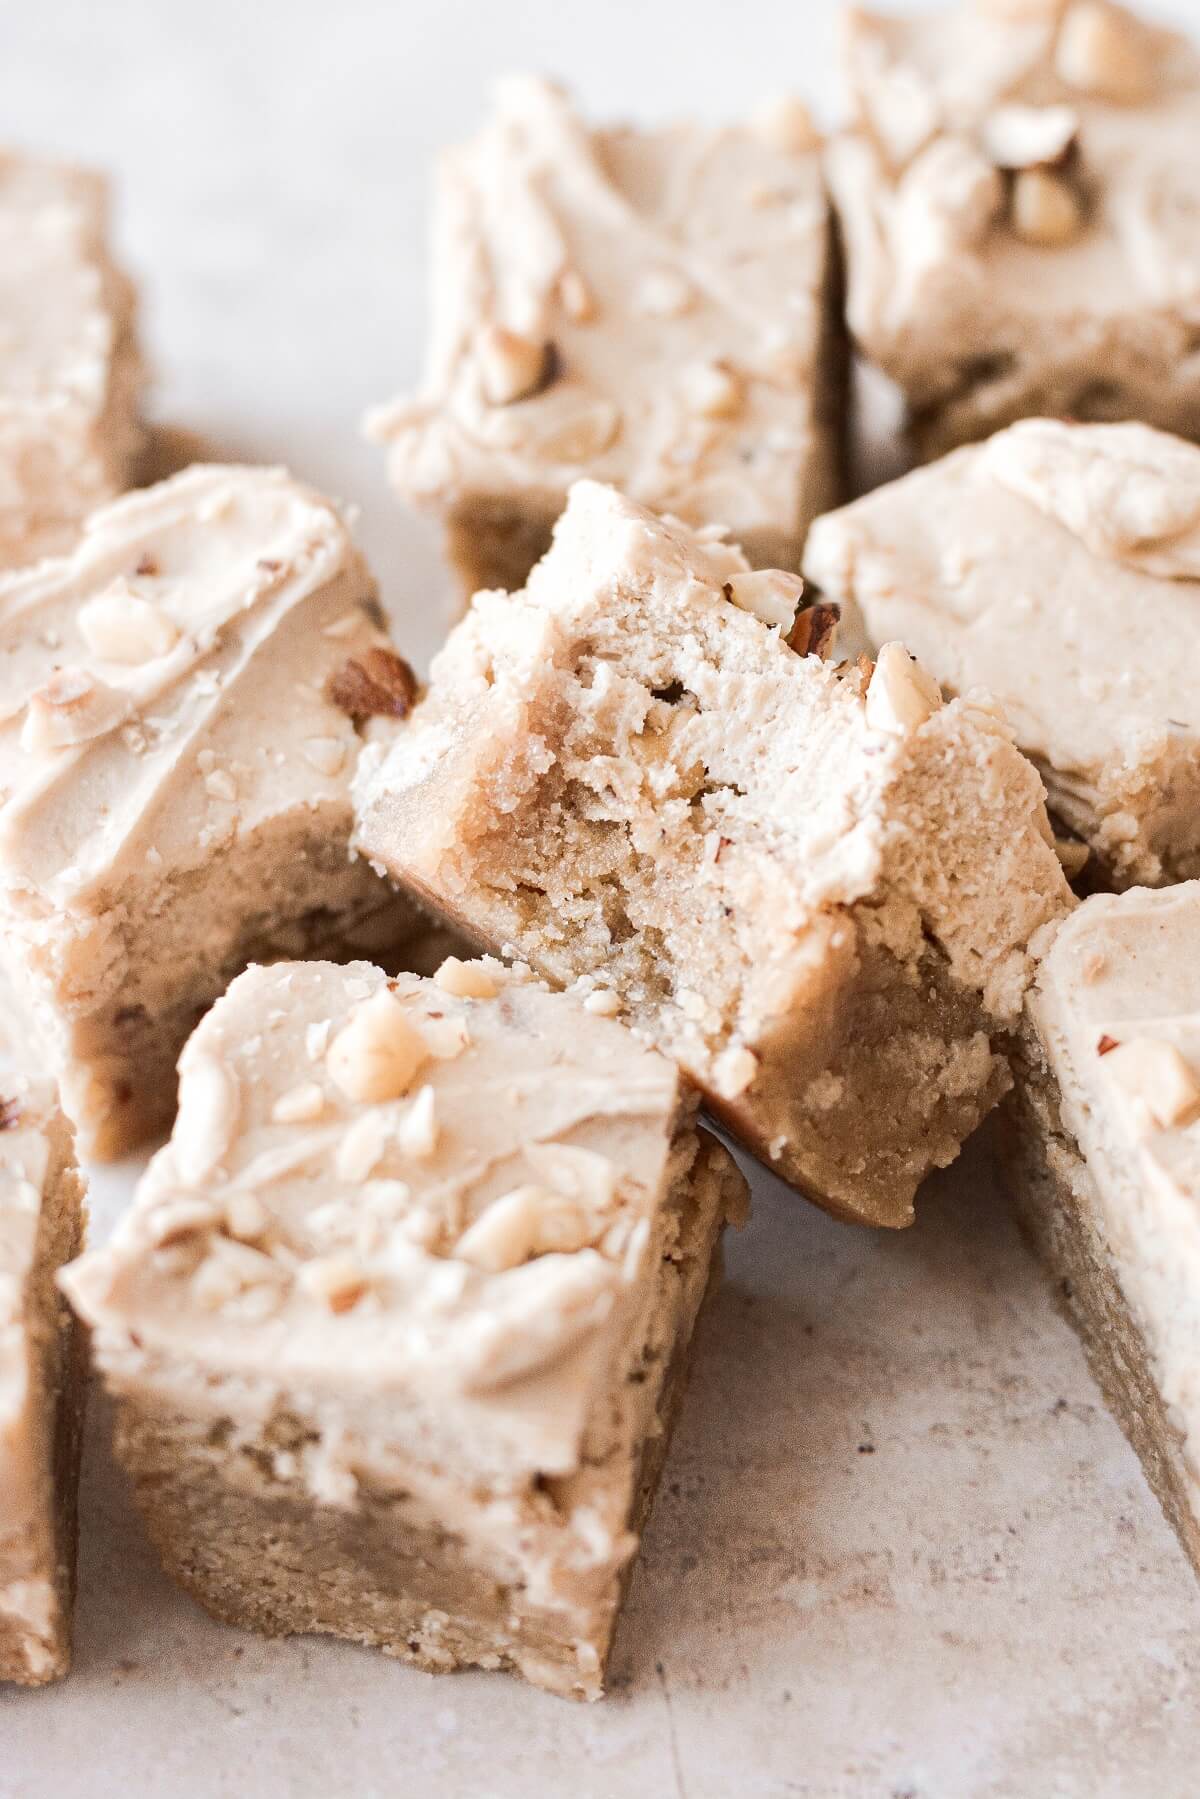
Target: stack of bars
<point x="398" y="1321"/>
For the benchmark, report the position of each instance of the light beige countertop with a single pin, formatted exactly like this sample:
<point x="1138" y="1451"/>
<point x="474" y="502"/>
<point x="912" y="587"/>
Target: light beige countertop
<point x="900" y="1548"/>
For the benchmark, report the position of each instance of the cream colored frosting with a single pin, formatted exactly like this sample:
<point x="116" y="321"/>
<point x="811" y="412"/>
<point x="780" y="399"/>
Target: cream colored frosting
<point x="679" y="276"/>
<point x="1057" y="567"/>
<point x="166" y="684"/>
<point x="977" y="323"/>
<point x="295" y="1237"/>
<point x="69" y="369"/>
<point x="1123" y="974"/>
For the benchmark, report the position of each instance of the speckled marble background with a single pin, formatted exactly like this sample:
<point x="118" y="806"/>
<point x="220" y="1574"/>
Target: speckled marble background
<point x="900" y="1549"/>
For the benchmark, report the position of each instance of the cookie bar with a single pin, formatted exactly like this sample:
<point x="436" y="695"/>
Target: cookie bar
<point x="70" y="373"/>
<point x="658" y="309"/>
<point x="1058" y="566"/>
<point x="182" y="700"/>
<point x="41" y="1381"/>
<point x="398" y="1321"/>
<point x="815" y="888"/>
<point x="1104" y="1147"/>
<point x="1020" y="203"/>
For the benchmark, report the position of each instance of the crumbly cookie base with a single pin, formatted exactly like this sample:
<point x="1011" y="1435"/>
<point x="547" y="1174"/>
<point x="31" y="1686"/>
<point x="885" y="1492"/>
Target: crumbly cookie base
<point x="265" y="1555"/>
<point x="41" y="1559"/>
<point x="1056" y="1205"/>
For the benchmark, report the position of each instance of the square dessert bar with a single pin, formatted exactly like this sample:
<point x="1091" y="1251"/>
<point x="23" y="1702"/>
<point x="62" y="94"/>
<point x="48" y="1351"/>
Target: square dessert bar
<point x="1058" y="566"/>
<point x="1104" y="1144"/>
<point x="658" y="309"/>
<point x="814" y="887"/>
<point x="70" y="374"/>
<point x="398" y="1322"/>
<point x="181" y="703"/>
<point x="41" y="1381"/>
<point x="1020" y="204"/>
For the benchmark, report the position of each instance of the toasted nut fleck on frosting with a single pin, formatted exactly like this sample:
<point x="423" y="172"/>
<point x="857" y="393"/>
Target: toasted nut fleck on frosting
<point x="72" y="707"/>
<point x="1155" y="1075"/>
<point x="377" y="1055"/>
<point x="576" y="296"/>
<point x="1030" y="137"/>
<point x="1102" y="51"/>
<point x="209" y="1109"/>
<point x="299" y="1105"/>
<point x="466" y="980"/>
<point x="901" y="694"/>
<point x="417" y="1132"/>
<point x="770" y="594"/>
<point x="603" y="1002"/>
<point x="784" y="122"/>
<point x="527" y="1222"/>
<point x="1045" y="210"/>
<point x="120" y="626"/>
<point x="326" y="754"/>
<point x="377" y="684"/>
<point x="512" y="366"/>
<point x="663" y="293"/>
<point x="337" y="1281"/>
<point x="735" y="1069"/>
<point x="712" y="389"/>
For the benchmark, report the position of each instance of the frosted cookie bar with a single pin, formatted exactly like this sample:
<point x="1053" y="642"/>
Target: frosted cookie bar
<point x="181" y="703"/>
<point x="397" y="1324"/>
<point x="1105" y="1164"/>
<point x="70" y="373"/>
<point x="815" y="888"/>
<point x="1058" y="566"/>
<point x="1020" y="202"/>
<point x="658" y="309"/>
<point x="41" y="1381"/>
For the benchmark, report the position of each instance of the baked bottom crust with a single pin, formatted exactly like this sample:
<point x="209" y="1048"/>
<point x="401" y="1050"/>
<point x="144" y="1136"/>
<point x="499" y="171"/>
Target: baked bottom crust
<point x="262" y="1553"/>
<point x="37" y="1566"/>
<point x="1057" y="1208"/>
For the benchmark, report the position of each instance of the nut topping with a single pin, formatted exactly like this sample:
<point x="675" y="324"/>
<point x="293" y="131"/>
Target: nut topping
<point x="377" y="684"/>
<point x="73" y="707"/>
<point x="1045" y="210"/>
<point x="712" y="390"/>
<point x="785" y="123"/>
<point x="664" y="294"/>
<point x="901" y="694"/>
<point x="529" y="1221"/>
<point x="299" y="1105"/>
<point x="377" y="1055"/>
<point x="466" y="980"/>
<point x="337" y="1281"/>
<point x="769" y="594"/>
<point x="1102" y="51"/>
<point x="209" y="1108"/>
<point x="1154" y="1075"/>
<point x="576" y="297"/>
<point x="1030" y="137"/>
<point x="513" y="367"/>
<point x="120" y="626"/>
<point x="815" y="631"/>
<point x="325" y="754"/>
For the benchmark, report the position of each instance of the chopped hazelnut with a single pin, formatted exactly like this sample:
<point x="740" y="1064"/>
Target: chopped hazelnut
<point x="1155" y="1075"/>
<point x="326" y="754"/>
<point x="663" y="293"/>
<point x="527" y="1222"/>
<point x="180" y="1218"/>
<point x="417" y="1132"/>
<point x="376" y="1056"/>
<point x="901" y="694"/>
<point x="769" y="593"/>
<point x="246" y="1218"/>
<point x="1102" y="51"/>
<point x="815" y="631"/>
<point x="713" y="390"/>
<point x="785" y="123"/>
<point x="377" y="684"/>
<point x="299" y="1105"/>
<point x="73" y="707"/>
<point x="735" y="1070"/>
<point x="337" y="1281"/>
<point x="1030" y="137"/>
<point x="466" y="980"/>
<point x="1045" y="210"/>
<point x="209" y="1108"/>
<point x="576" y="296"/>
<point x="512" y="367"/>
<point x="603" y="1002"/>
<point x="120" y="626"/>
